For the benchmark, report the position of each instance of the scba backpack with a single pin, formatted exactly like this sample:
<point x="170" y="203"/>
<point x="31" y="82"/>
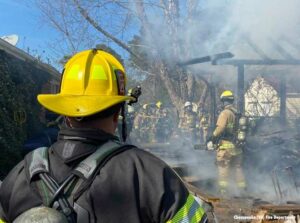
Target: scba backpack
<point x="59" y="200"/>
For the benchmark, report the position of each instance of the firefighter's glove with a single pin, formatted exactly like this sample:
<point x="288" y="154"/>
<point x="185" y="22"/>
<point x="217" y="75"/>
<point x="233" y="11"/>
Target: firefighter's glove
<point x="210" y="145"/>
<point x="135" y="93"/>
<point x="212" y="139"/>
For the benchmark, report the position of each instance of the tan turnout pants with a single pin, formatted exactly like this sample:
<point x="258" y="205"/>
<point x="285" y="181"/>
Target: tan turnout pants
<point x="229" y="162"/>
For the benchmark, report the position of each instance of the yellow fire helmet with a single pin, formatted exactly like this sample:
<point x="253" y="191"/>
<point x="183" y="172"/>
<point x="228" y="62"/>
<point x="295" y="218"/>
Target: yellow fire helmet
<point x="92" y="81"/>
<point x="158" y="104"/>
<point x="227" y="95"/>
<point x="145" y="106"/>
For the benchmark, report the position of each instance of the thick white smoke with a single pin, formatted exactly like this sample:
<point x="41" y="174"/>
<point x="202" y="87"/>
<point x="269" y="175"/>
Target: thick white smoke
<point x="250" y="29"/>
<point x="262" y="21"/>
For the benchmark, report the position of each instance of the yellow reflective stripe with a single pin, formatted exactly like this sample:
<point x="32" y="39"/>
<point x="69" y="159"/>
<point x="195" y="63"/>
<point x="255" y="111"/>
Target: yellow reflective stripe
<point x="74" y="73"/>
<point x="198" y="215"/>
<point x="98" y="73"/>
<point x="223" y="183"/>
<point x="183" y="211"/>
<point x="1" y="221"/>
<point x="230" y="125"/>
<point x="226" y="146"/>
<point x="191" y="212"/>
<point x="241" y="184"/>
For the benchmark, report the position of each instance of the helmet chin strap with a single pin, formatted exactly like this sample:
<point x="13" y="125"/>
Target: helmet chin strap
<point x="68" y="122"/>
<point x="124" y="126"/>
<point x="225" y="103"/>
<point x="121" y="91"/>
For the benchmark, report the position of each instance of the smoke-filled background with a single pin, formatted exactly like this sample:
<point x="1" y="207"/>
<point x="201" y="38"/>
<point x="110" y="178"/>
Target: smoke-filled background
<point x="250" y="30"/>
<point x="152" y="36"/>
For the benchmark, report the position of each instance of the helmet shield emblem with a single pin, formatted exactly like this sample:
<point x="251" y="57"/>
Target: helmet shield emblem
<point x="120" y="81"/>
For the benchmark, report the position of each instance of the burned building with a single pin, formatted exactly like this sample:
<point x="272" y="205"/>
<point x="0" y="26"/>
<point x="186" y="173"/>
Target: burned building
<point x="265" y="80"/>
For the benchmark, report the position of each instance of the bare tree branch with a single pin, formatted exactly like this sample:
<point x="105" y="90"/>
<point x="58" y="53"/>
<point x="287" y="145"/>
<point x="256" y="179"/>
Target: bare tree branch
<point x="159" y="37"/>
<point x="61" y="27"/>
<point x="191" y="9"/>
<point x="85" y="14"/>
<point x="203" y="97"/>
<point x="176" y="100"/>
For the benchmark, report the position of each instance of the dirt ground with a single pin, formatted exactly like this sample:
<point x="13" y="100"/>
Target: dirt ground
<point x="247" y="209"/>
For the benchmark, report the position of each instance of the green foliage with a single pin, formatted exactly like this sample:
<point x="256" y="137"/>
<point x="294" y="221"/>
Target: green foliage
<point x="64" y="60"/>
<point x="20" y="82"/>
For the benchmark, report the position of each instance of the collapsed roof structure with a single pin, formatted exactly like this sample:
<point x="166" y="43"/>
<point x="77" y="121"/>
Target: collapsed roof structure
<point x="280" y="54"/>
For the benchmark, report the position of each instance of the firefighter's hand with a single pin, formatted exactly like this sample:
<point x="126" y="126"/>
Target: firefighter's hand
<point x="210" y="145"/>
<point x="212" y="139"/>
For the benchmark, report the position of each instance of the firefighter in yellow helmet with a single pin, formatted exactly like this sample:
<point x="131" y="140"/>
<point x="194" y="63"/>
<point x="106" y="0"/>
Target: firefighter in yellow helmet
<point x="229" y="156"/>
<point x="204" y="124"/>
<point x="88" y="175"/>
<point x="187" y="123"/>
<point x="139" y="124"/>
<point x="163" y="124"/>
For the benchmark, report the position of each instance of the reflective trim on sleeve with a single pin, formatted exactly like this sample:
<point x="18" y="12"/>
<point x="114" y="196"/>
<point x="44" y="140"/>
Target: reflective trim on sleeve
<point x="191" y="212"/>
<point x="227" y="146"/>
<point x="223" y="183"/>
<point x="241" y="184"/>
<point x="1" y="221"/>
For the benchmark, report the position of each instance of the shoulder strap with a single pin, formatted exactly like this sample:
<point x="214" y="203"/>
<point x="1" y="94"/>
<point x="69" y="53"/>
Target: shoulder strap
<point x="232" y="110"/>
<point x="38" y="162"/>
<point x="236" y="120"/>
<point x="87" y="167"/>
<point x="86" y="170"/>
<point x="236" y="114"/>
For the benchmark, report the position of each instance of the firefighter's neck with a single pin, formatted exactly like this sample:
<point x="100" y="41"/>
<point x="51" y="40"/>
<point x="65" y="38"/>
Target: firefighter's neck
<point x="108" y="124"/>
<point x="227" y="103"/>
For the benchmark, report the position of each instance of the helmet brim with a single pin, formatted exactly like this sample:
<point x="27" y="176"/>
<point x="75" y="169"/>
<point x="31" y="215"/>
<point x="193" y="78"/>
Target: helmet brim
<point x="79" y="105"/>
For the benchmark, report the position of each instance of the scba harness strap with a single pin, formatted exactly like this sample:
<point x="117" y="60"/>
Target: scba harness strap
<point x="63" y="197"/>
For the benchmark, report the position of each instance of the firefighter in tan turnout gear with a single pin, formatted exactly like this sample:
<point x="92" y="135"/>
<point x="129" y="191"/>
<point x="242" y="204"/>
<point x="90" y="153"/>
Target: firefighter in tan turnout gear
<point x="187" y="123"/>
<point x="229" y="156"/>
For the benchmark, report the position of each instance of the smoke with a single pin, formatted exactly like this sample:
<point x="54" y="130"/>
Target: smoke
<point x="264" y="23"/>
<point x="272" y="162"/>
<point x="256" y="29"/>
<point x="250" y="29"/>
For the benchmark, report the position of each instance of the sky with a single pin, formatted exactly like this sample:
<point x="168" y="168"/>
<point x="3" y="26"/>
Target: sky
<point x="25" y="20"/>
<point x="17" y="17"/>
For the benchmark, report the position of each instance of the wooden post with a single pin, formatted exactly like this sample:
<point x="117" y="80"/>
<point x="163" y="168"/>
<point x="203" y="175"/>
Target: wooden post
<point x="240" y="88"/>
<point x="212" y="92"/>
<point x="283" y="98"/>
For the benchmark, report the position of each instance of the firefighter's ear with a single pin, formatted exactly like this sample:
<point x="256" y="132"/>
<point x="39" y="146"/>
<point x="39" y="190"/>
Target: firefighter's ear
<point x="116" y="117"/>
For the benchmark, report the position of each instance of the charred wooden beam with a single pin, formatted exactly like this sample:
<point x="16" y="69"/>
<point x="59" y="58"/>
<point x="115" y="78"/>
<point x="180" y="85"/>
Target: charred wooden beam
<point x="241" y="89"/>
<point x="213" y="106"/>
<point x="213" y="58"/>
<point x="282" y="51"/>
<point x="235" y="62"/>
<point x="256" y="49"/>
<point x="206" y="197"/>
